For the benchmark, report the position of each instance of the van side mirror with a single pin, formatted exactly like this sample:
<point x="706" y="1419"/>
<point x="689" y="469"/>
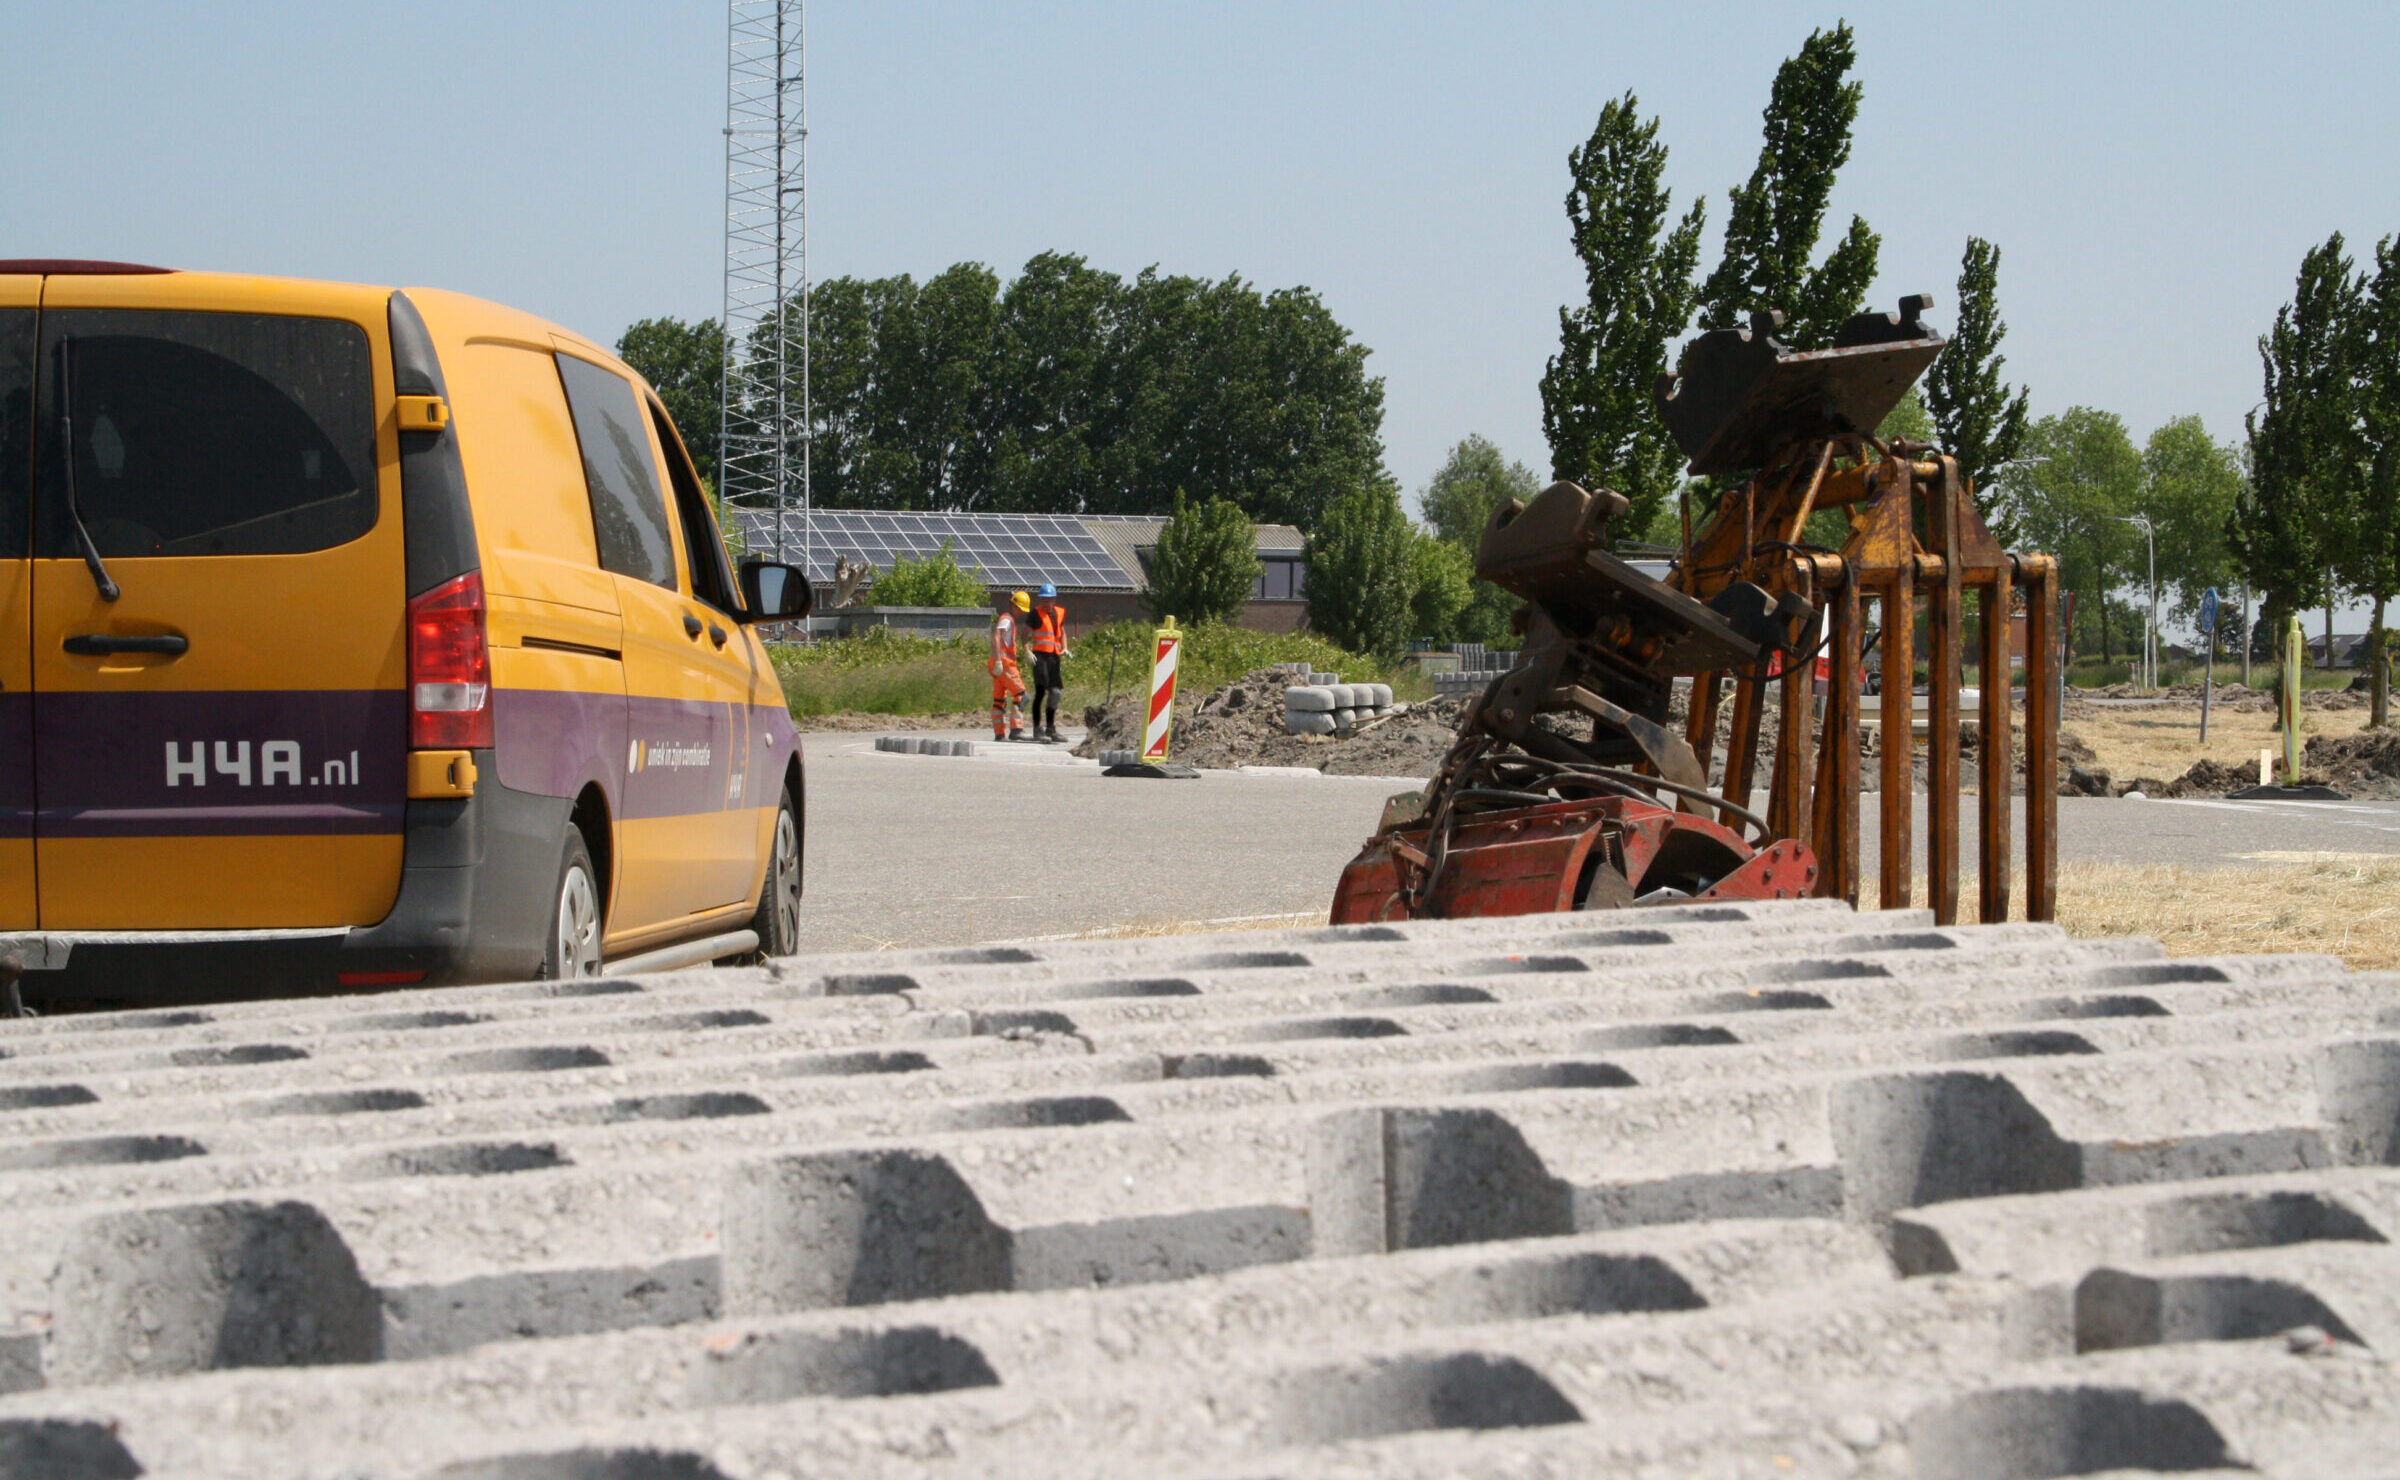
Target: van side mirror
<point x="773" y="592"/>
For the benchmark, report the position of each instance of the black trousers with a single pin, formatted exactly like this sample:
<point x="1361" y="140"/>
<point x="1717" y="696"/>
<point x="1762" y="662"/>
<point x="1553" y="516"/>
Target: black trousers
<point x="1046" y="686"/>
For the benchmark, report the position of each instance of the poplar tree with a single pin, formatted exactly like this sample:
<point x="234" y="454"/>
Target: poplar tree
<point x="2303" y="443"/>
<point x="1773" y="221"/>
<point x="2372" y="535"/>
<point x="1979" y="420"/>
<point x="1596" y="407"/>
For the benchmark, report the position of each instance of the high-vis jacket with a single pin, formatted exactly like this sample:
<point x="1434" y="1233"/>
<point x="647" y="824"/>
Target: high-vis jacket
<point x="1050" y="629"/>
<point x="1004" y="639"/>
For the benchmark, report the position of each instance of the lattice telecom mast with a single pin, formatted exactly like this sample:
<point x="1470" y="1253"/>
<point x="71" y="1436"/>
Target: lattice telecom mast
<point x="765" y="402"/>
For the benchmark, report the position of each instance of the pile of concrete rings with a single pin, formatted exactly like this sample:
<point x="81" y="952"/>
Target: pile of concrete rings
<point x="1332" y="707"/>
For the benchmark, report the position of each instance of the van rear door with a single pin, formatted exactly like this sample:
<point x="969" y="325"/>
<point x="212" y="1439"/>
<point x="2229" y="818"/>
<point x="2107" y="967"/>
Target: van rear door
<point x="222" y="745"/>
<point x="19" y="293"/>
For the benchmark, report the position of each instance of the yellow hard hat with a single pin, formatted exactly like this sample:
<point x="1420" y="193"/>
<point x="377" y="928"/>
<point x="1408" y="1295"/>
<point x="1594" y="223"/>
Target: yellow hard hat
<point x="1023" y="602"/>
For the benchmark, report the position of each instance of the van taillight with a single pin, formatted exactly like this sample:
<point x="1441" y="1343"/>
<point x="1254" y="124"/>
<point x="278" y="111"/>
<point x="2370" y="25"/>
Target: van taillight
<point x="449" y="668"/>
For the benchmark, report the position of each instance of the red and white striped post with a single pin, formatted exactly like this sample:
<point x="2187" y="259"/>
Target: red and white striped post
<point x="1162" y="693"/>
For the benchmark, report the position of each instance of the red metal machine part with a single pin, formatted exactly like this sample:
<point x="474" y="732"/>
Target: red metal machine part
<point x="1533" y="860"/>
<point x="1528" y="815"/>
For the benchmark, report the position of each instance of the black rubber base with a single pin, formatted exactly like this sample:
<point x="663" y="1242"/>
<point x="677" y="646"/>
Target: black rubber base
<point x="2286" y="794"/>
<point x="1146" y="771"/>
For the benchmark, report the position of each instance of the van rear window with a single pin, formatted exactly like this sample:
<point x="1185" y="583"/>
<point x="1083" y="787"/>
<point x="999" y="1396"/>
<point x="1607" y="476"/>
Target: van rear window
<point x="206" y="433"/>
<point x="629" y="517"/>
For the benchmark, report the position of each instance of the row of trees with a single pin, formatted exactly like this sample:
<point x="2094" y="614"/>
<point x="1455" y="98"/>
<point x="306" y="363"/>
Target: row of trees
<point x="1641" y="290"/>
<point x="2319" y="518"/>
<point x="1067" y="391"/>
<point x="1073" y="390"/>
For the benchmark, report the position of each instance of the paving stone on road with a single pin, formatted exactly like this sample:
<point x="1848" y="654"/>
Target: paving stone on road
<point x="1711" y="1190"/>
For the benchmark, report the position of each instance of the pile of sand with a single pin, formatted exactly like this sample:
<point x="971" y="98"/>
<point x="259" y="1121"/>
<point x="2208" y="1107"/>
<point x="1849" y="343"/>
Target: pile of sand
<point x="1241" y="724"/>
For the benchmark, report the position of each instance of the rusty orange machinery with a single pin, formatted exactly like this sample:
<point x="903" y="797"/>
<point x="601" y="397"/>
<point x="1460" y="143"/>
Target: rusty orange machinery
<point x="1570" y="789"/>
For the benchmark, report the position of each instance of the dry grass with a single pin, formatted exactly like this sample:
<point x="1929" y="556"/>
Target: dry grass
<point x="1146" y="929"/>
<point x="2163" y="741"/>
<point x="2338" y="904"/>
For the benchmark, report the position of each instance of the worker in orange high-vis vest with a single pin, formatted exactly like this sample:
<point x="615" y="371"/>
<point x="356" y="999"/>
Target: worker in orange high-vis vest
<point x="1049" y="646"/>
<point x="1008" y="689"/>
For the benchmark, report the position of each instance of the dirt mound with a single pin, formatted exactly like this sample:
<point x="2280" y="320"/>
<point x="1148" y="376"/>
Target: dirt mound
<point x="1241" y="724"/>
<point x="2212" y="778"/>
<point x="2366" y="764"/>
<point x="2230" y="697"/>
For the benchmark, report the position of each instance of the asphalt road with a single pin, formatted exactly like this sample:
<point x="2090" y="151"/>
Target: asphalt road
<point x="907" y="850"/>
<point x="929" y="850"/>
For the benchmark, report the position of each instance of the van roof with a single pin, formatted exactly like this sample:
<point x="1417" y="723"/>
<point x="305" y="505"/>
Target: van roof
<point x="73" y="267"/>
<point x="465" y="316"/>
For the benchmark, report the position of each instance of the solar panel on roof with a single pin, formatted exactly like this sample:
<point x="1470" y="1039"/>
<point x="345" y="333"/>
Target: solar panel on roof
<point x="1009" y="550"/>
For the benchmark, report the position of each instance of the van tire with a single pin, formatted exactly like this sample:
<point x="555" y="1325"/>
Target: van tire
<point x="574" y="934"/>
<point x="777" y="922"/>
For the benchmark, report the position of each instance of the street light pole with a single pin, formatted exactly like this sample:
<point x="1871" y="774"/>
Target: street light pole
<point x="2150" y="637"/>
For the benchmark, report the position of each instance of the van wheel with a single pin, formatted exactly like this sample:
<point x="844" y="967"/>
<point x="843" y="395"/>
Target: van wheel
<point x="778" y="919"/>
<point x="574" y="948"/>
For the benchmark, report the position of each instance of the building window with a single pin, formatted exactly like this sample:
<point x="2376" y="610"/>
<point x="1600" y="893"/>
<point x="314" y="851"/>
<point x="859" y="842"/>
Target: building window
<point x="1279" y="580"/>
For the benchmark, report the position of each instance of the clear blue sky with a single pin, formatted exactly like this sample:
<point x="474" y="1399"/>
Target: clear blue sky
<point x="2152" y="173"/>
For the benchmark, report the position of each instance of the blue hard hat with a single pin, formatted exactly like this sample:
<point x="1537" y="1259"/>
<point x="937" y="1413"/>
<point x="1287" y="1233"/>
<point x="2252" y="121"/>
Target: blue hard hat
<point x="1049" y="590"/>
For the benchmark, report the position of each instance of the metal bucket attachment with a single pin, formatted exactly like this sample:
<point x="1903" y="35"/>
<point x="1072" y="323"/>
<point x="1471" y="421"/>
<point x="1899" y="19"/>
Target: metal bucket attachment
<point x="1738" y="395"/>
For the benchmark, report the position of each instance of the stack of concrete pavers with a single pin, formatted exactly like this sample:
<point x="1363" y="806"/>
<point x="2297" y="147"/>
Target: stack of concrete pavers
<point x="922" y="745"/>
<point x="1464" y="683"/>
<point x="1711" y="1190"/>
<point x="1332" y="707"/>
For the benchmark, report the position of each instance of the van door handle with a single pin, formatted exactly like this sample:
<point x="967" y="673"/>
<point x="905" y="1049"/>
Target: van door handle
<point x="102" y="645"/>
<point x="716" y="634"/>
<point x="691" y="625"/>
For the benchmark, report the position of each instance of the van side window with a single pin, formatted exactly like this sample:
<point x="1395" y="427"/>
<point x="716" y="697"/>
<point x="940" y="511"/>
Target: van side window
<point x="206" y="433"/>
<point x="629" y="516"/>
<point x="712" y="582"/>
<point x="16" y="431"/>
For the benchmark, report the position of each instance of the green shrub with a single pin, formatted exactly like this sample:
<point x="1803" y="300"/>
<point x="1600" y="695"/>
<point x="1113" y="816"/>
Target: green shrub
<point x="936" y="580"/>
<point x="884" y="672"/>
<point x="1212" y="655"/>
<point x="1206" y="563"/>
<point x="887" y="672"/>
<point x="1362" y="571"/>
<point x="1445" y="588"/>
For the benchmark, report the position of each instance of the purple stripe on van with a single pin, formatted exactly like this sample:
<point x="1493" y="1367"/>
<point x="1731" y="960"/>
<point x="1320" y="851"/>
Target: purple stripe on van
<point x="652" y="757"/>
<point x="150" y="763"/>
<point x="16" y="765"/>
<point x="551" y="741"/>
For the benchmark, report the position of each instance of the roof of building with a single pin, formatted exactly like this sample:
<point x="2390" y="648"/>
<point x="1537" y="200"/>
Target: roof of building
<point x="1125" y="536"/>
<point x="1089" y="552"/>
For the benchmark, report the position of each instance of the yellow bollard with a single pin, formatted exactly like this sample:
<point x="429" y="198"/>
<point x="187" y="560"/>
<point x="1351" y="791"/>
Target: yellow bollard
<point x="2295" y="651"/>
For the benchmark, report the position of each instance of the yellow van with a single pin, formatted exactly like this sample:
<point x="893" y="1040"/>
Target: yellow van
<point x="353" y="637"/>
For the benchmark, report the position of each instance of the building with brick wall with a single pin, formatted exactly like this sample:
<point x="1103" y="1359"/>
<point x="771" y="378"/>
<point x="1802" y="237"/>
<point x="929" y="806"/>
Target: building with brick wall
<point x="1100" y="563"/>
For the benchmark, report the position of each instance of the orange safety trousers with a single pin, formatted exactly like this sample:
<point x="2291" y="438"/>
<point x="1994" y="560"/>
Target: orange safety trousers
<point x="1008" y="701"/>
